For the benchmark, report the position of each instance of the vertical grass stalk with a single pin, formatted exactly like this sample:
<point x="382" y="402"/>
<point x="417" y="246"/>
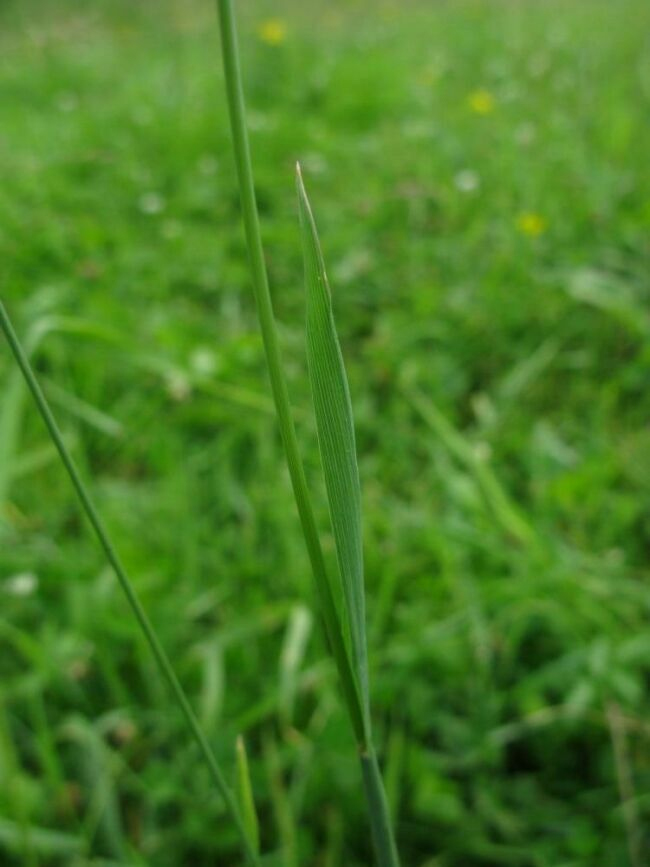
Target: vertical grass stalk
<point x="380" y="819"/>
<point x="162" y="660"/>
<point x="250" y="217"/>
<point x="353" y="684"/>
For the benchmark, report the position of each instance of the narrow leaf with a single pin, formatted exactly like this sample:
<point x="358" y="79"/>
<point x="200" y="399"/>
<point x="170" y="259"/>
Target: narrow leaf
<point x="245" y="795"/>
<point x="333" y="409"/>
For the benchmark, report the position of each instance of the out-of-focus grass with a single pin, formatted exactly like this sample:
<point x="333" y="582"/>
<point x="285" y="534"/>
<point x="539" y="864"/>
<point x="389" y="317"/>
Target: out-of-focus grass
<point x="482" y="180"/>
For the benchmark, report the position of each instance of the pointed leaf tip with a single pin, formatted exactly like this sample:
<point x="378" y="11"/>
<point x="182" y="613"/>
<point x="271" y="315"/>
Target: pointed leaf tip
<point x="336" y="439"/>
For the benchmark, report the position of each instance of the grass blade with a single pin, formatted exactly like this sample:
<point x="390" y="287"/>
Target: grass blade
<point x="333" y="408"/>
<point x="336" y="440"/>
<point x="380" y="821"/>
<point x="505" y="512"/>
<point x="245" y="794"/>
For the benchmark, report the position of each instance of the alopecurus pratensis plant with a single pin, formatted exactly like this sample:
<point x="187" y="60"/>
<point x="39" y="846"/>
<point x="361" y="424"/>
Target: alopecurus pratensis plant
<point x="344" y="624"/>
<point x="341" y="598"/>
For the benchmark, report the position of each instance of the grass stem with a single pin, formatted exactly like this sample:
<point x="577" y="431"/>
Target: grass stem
<point x="380" y="821"/>
<point x="237" y="112"/>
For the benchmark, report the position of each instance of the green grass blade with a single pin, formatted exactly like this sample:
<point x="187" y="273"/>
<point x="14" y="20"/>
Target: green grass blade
<point x="333" y="409"/>
<point x="112" y="557"/>
<point x="14" y="394"/>
<point x="335" y="425"/>
<point x="45" y="842"/>
<point x="505" y="512"/>
<point x="245" y="794"/>
<point x="380" y="820"/>
<point x="10" y="418"/>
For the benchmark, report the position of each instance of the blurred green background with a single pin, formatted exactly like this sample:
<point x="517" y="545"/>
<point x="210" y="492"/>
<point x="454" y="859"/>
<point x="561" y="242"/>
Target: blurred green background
<point x="479" y="171"/>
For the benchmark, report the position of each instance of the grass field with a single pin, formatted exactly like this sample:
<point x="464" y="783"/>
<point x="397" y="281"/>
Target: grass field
<point x="480" y="175"/>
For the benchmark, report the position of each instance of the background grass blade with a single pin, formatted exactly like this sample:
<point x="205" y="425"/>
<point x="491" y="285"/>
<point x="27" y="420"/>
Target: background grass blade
<point x="157" y="649"/>
<point x="245" y="794"/>
<point x="505" y="512"/>
<point x="333" y="409"/>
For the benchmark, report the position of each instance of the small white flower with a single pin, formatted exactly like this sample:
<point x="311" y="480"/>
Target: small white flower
<point x="203" y="361"/>
<point x="22" y="584"/>
<point x="482" y="451"/>
<point x="151" y="203"/>
<point x="467" y="181"/>
<point x="178" y="386"/>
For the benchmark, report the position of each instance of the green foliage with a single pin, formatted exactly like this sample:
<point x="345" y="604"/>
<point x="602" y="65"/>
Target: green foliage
<point x="494" y="662"/>
<point x="333" y="408"/>
<point x="245" y="795"/>
<point x="338" y="451"/>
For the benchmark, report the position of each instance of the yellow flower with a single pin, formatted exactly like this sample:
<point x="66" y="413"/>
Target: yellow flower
<point x="273" y="31"/>
<point x="481" y="101"/>
<point x="530" y="224"/>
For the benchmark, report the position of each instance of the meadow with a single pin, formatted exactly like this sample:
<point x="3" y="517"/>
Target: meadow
<point x="480" y="175"/>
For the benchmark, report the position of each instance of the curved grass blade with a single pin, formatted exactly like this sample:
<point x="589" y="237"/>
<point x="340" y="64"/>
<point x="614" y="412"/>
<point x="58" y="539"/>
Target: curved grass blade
<point x="333" y="409"/>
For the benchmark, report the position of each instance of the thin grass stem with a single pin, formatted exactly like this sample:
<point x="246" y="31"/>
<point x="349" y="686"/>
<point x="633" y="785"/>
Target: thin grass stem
<point x="380" y="820"/>
<point x="162" y="660"/>
<point x="237" y="112"/>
